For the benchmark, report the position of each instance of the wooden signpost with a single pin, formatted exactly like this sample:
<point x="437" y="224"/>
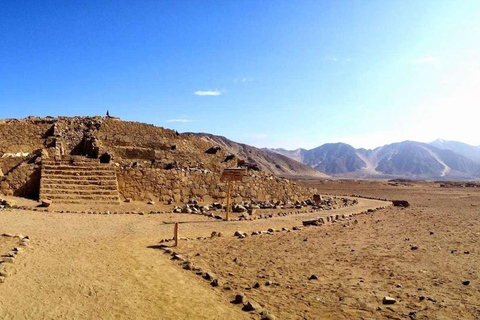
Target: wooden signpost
<point x="175" y="234"/>
<point x="230" y="175"/>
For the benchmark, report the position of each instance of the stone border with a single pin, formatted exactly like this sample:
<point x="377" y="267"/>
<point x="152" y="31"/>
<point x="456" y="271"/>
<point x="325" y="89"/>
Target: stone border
<point x="240" y="299"/>
<point x="205" y="214"/>
<point x="8" y="259"/>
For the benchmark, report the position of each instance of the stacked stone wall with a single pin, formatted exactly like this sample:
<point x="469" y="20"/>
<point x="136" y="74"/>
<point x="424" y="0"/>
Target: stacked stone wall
<point x="24" y="181"/>
<point x="9" y="163"/>
<point x="184" y="184"/>
<point x="26" y="136"/>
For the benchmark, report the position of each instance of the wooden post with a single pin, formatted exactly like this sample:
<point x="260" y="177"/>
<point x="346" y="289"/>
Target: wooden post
<point x="175" y="234"/>
<point x="228" y="200"/>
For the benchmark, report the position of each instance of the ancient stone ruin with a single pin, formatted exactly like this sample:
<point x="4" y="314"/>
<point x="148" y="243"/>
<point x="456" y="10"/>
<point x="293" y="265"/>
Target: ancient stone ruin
<point x="106" y="160"/>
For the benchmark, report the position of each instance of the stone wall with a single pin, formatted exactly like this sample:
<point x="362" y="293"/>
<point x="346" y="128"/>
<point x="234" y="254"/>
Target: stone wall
<point x="184" y="184"/>
<point x="24" y="181"/>
<point x="7" y="164"/>
<point x="26" y="135"/>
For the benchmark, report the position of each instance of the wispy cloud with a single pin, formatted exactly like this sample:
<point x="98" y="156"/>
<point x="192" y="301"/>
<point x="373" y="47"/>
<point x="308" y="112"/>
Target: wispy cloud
<point x="340" y="60"/>
<point x="426" y="60"/>
<point x="182" y="120"/>
<point x="242" y="80"/>
<point x="208" y="93"/>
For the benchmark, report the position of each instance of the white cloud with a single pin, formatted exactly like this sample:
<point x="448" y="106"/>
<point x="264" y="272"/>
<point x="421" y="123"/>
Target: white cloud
<point x="182" y="120"/>
<point x="208" y="93"/>
<point x="340" y="60"/>
<point x="426" y="60"/>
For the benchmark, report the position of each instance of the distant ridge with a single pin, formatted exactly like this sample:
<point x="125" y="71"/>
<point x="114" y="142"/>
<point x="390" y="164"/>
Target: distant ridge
<point x="275" y="163"/>
<point x="409" y="159"/>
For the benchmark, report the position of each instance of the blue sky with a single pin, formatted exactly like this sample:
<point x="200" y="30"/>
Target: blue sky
<point x="268" y="73"/>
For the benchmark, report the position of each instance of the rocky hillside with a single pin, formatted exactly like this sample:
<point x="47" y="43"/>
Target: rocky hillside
<point x="275" y="163"/>
<point x="406" y="159"/>
<point x="471" y="152"/>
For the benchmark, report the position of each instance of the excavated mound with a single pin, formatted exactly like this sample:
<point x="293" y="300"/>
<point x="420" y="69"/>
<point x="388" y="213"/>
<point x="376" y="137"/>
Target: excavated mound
<point x="73" y="158"/>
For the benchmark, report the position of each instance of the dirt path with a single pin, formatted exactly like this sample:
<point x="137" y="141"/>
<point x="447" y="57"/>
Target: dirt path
<point x="99" y="266"/>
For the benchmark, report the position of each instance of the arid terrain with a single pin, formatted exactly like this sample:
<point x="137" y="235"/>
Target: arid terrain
<point x="88" y="266"/>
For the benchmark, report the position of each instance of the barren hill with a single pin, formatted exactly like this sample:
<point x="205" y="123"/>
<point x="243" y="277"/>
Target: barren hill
<point x="275" y="163"/>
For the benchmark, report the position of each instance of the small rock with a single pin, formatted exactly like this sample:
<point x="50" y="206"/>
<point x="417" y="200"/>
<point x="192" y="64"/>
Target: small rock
<point x="214" y="283"/>
<point x="414" y="248"/>
<point x="256" y="285"/>
<point x="389" y="300"/>
<point x="178" y="257"/>
<point x="240" y="299"/>
<point x="267" y="315"/>
<point x="209" y="276"/>
<point x="46" y="203"/>
<point x="250" y="306"/>
<point x="313" y="277"/>
<point x="466" y="282"/>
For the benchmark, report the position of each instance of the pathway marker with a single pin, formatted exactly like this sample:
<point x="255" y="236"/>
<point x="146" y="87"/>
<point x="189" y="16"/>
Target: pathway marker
<point x="231" y="175"/>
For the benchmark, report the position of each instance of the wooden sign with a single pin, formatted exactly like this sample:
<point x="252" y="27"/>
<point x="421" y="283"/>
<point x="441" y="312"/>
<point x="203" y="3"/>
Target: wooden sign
<point x="233" y="174"/>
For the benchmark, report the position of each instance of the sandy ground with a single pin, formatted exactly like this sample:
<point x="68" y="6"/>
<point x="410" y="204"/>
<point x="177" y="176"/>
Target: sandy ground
<point x="6" y="244"/>
<point x="358" y="265"/>
<point x="100" y="266"/>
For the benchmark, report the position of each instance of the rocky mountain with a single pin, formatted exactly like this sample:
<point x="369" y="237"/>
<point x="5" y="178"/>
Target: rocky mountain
<point x="334" y="158"/>
<point x="275" y="163"/>
<point x="471" y="152"/>
<point x="406" y="159"/>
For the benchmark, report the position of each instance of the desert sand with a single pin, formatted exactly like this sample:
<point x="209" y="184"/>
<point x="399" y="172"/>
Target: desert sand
<point x="87" y="266"/>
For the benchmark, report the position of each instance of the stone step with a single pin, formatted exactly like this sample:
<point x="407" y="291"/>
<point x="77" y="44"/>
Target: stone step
<point x="73" y="182"/>
<point x="78" y="197"/>
<point x="82" y="202"/>
<point x="84" y="172"/>
<point x="80" y="192"/>
<point x="79" y="167"/>
<point x="79" y="178"/>
<point x="69" y="162"/>
<point x="78" y="187"/>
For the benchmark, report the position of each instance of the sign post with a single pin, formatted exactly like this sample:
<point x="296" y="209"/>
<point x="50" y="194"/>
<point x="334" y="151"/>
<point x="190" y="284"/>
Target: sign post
<point x="230" y="175"/>
<point x="175" y="234"/>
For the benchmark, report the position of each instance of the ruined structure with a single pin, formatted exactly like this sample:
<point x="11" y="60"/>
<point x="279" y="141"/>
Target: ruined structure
<point x="106" y="160"/>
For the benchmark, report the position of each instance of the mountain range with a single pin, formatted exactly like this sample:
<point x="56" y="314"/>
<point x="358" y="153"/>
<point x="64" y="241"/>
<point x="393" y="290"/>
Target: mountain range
<point x="409" y="159"/>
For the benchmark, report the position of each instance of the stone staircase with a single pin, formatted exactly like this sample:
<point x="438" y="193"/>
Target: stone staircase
<point x="78" y="180"/>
